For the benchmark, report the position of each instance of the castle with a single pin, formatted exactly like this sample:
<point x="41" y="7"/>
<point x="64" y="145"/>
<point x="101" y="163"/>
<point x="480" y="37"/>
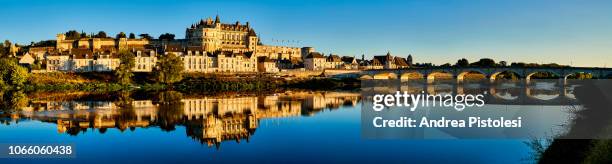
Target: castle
<point x="206" y="35"/>
<point x="209" y="46"/>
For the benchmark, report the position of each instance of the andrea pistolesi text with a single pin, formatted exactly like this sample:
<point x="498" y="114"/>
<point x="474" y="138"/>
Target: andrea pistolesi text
<point x="458" y="102"/>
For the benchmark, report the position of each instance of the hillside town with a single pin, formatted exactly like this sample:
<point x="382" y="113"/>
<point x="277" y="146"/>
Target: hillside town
<point x="209" y="46"/>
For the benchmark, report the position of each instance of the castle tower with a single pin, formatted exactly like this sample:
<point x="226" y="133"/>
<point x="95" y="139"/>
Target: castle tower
<point x="217" y="21"/>
<point x="252" y="42"/>
<point x="409" y="60"/>
<point x="306" y="51"/>
<point x="60" y="42"/>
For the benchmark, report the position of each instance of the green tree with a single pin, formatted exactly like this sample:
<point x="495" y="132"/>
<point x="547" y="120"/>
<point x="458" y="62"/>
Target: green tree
<point x="132" y="36"/>
<point x="12" y="73"/>
<point x="145" y="36"/>
<point x="37" y="64"/>
<point x="83" y="35"/>
<point x="121" y="35"/>
<point x="7" y="43"/>
<point x="73" y="34"/>
<point x="3" y="51"/>
<point x="124" y="72"/>
<point x="169" y="69"/>
<point x="169" y="112"/>
<point x="462" y="62"/>
<point x="484" y="62"/>
<point x="101" y="34"/>
<point x="166" y="36"/>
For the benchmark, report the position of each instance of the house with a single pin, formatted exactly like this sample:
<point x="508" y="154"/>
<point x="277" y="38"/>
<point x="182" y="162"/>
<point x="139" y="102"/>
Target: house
<point x="314" y="61"/>
<point x="390" y="62"/>
<point x="350" y="62"/>
<point x="265" y="64"/>
<point x="236" y="62"/>
<point x="57" y="61"/>
<point x="26" y="59"/>
<point x="334" y="62"/>
<point x="145" y="60"/>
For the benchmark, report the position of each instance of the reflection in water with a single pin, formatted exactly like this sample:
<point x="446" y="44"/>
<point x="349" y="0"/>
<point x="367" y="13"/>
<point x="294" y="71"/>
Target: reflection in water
<point x="208" y="119"/>
<point x="215" y="119"/>
<point x="538" y="92"/>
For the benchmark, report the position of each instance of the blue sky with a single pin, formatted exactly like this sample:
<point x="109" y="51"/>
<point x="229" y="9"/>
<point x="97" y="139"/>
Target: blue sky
<point x="437" y="31"/>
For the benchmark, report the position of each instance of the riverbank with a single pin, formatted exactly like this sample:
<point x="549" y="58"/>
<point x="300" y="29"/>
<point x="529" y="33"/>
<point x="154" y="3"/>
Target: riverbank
<point x="105" y="82"/>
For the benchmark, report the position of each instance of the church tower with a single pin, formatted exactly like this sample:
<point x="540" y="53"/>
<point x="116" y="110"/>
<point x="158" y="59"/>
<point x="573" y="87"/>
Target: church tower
<point x="409" y="59"/>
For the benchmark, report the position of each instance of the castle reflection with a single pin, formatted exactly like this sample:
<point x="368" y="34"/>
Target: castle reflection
<point x="207" y="119"/>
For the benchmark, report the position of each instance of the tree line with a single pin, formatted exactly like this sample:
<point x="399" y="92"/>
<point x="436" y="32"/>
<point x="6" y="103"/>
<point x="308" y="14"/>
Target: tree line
<point x="73" y="35"/>
<point x="488" y="62"/>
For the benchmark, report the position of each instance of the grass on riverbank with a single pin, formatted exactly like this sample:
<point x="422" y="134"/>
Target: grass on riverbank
<point x="104" y="82"/>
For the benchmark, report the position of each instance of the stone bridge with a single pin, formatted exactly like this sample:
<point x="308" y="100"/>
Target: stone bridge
<point x="459" y="73"/>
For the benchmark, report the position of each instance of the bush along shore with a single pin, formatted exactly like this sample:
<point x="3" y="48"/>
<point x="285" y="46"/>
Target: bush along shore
<point x="105" y="82"/>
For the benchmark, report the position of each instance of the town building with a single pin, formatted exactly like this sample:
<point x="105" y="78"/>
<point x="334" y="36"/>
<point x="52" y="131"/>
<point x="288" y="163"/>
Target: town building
<point x="389" y="62"/>
<point x="267" y="65"/>
<point x="237" y="38"/>
<point x="82" y="60"/>
<point x="145" y="60"/>
<point x="333" y="62"/>
<point x="315" y="61"/>
<point x="26" y="59"/>
<point x="350" y="62"/>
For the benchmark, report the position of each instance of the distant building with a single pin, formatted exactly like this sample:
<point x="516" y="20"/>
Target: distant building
<point x="315" y="61"/>
<point x="145" y="61"/>
<point x="237" y="38"/>
<point x="265" y="64"/>
<point x="26" y="59"/>
<point x="39" y="52"/>
<point x="209" y="46"/>
<point x="334" y="62"/>
<point x="409" y="60"/>
<point x="390" y="62"/>
<point x="350" y="62"/>
<point x="95" y="44"/>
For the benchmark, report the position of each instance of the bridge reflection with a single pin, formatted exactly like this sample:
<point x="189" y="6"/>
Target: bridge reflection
<point x="208" y="119"/>
<point x="539" y="92"/>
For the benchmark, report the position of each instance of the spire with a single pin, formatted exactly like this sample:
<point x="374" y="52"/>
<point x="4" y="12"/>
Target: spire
<point x="409" y="59"/>
<point x="252" y="32"/>
<point x="217" y="20"/>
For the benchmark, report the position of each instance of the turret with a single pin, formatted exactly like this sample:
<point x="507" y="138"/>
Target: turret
<point x="409" y="59"/>
<point x="59" y="39"/>
<point x="217" y="20"/>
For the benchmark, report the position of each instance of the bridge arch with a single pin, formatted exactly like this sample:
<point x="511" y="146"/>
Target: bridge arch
<point x="512" y="74"/>
<point x="530" y="75"/>
<point x="385" y="75"/>
<point x="529" y="92"/>
<point x="411" y="75"/>
<point x="444" y="74"/>
<point x="462" y="75"/>
<point x="578" y="75"/>
<point x="366" y="77"/>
